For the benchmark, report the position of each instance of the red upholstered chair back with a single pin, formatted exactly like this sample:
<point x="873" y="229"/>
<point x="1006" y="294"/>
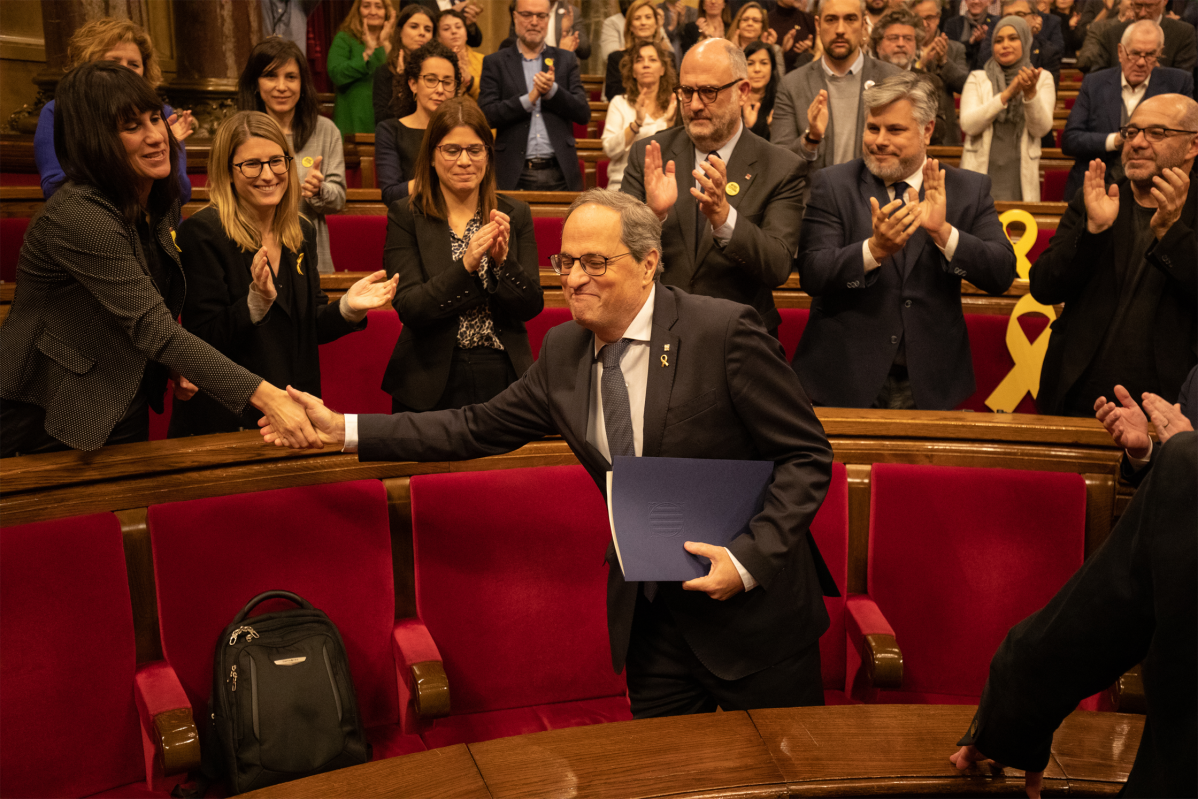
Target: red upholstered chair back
<point x="794" y="322"/>
<point x="957" y="556"/>
<point x="330" y="544"/>
<point x="12" y="236"/>
<point x="352" y="367"/>
<point x="1052" y="188"/>
<point x="548" y="233"/>
<point x="540" y="324"/>
<point x="67" y="711"/>
<point x="511" y="583"/>
<point x="831" y="531"/>
<point x="992" y="359"/>
<point x="356" y="241"/>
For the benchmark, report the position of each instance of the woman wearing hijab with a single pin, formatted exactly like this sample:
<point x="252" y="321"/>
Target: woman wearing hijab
<point x="1005" y="109"/>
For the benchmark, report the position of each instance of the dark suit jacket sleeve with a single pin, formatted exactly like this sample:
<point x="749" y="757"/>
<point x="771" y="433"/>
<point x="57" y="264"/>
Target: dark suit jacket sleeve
<point x="633" y="183"/>
<point x="1052" y="32"/>
<point x="570" y="100"/>
<point x="767" y="251"/>
<point x="1174" y="254"/>
<point x="789" y="120"/>
<point x="216" y="308"/>
<point x="829" y="260"/>
<point x="382" y="86"/>
<point x="766" y="394"/>
<point x="1082" y="139"/>
<point x="984" y="254"/>
<point x="392" y="180"/>
<point x="613" y="84"/>
<point x="1186" y="57"/>
<point x="500" y="103"/>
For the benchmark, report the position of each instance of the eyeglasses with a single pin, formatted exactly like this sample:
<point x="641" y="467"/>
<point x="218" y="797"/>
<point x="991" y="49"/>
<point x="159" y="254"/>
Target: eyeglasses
<point x="431" y="82"/>
<point x="898" y="37"/>
<point x="252" y="169"/>
<point x="1023" y="14"/>
<point x="529" y="16"/>
<point x="707" y="94"/>
<point x="1147" y="58"/>
<point x="931" y="17"/>
<point x="1154" y="134"/>
<point x="593" y="265"/>
<point x="453" y="152"/>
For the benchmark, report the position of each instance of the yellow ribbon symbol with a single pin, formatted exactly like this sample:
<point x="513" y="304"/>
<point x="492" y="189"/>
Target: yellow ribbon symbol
<point x="1028" y="240"/>
<point x="299" y="261"/>
<point x="664" y="362"/>
<point x="175" y="241"/>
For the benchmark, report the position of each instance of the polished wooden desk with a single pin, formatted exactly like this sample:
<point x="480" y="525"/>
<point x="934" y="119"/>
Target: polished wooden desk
<point x="862" y="750"/>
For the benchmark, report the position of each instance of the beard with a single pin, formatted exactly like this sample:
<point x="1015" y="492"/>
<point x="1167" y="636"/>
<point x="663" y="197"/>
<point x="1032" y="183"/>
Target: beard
<point x="1143" y="171"/>
<point x="903" y="61"/>
<point x="894" y="170"/>
<point x="717" y="130"/>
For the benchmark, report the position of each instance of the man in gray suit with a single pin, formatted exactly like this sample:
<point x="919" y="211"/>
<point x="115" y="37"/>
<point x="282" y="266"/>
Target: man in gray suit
<point x="818" y="113"/>
<point x="942" y="58"/>
<point x="731" y="224"/>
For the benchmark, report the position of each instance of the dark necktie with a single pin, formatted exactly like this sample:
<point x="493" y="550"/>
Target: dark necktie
<point x="900" y="190"/>
<point x="617" y="414"/>
<point x="700" y="219"/>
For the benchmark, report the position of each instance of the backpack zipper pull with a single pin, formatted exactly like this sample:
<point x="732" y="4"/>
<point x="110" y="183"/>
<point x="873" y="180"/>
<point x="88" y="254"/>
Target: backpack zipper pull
<point x="233" y="678"/>
<point x="250" y="635"/>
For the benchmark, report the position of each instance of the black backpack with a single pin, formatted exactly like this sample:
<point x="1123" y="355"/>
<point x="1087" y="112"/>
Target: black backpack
<point x="283" y="703"/>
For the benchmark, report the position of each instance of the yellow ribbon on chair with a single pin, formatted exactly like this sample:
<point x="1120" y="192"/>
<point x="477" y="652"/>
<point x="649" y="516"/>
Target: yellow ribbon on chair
<point x="1024" y="377"/>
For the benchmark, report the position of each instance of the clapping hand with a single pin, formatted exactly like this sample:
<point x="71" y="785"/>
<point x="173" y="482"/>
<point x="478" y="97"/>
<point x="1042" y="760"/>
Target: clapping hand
<point x="712" y="175"/>
<point x="1126" y="423"/>
<point x="182" y="125"/>
<point x="570" y="41"/>
<point x="979" y="33"/>
<point x="968" y="756"/>
<point x="480" y="243"/>
<point x="1170" y="190"/>
<point x="749" y="114"/>
<point x="770" y="36"/>
<point x="314" y="179"/>
<point x="263" y="276"/>
<point x="1102" y="202"/>
<point x="387" y="33"/>
<point x="372" y="291"/>
<point x="936" y="50"/>
<point x="817" y="115"/>
<point x="893" y="224"/>
<point x="1030" y="78"/>
<point x="1167" y="419"/>
<point x="503" y="236"/>
<point x="934" y="207"/>
<point x="661" y="189"/>
<point x="542" y="82"/>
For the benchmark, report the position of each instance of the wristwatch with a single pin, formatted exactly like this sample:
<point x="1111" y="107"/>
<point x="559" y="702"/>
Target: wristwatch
<point x="807" y="138"/>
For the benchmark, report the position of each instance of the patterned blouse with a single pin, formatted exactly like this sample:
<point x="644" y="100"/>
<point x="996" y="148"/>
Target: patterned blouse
<point x="475" y="327"/>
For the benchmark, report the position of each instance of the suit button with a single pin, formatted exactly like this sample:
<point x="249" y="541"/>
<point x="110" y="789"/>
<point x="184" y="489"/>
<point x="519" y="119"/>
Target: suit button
<point x="894" y="339"/>
<point x="907" y="304"/>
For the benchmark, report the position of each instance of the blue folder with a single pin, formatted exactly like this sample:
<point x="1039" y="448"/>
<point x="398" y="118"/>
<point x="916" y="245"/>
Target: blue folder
<point x="657" y="504"/>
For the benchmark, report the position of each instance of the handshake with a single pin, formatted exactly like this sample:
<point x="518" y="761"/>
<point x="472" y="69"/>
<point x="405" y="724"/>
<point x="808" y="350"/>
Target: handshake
<point x="298" y="420"/>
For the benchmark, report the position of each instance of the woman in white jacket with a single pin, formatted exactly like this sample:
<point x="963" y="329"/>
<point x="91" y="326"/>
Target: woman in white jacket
<point x="646" y="107"/>
<point x="1005" y="109"/>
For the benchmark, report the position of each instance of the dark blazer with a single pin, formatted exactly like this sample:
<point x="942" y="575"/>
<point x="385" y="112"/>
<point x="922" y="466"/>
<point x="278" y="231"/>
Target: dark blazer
<point x="1181" y="51"/>
<point x="283" y="347"/>
<point x="87" y="318"/>
<point x="954" y="29"/>
<point x="858" y="319"/>
<point x="726" y="393"/>
<point x="613" y="82"/>
<point x="1078" y="269"/>
<point x="434" y="290"/>
<point x="1098" y="112"/>
<point x="1135" y="599"/>
<point x="768" y="205"/>
<point x="500" y="88"/>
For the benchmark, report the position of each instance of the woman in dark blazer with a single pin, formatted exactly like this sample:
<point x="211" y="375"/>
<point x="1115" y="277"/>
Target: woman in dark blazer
<point x="91" y="337"/>
<point x="466" y="260"/>
<point x="250" y="259"/>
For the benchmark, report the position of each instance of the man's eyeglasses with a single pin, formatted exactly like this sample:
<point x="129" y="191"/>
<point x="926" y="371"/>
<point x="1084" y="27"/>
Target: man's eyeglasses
<point x="529" y="16"/>
<point x="593" y="265"/>
<point x="252" y="169"/>
<point x="431" y="82"/>
<point x="899" y="37"/>
<point x="707" y="94"/>
<point x="1154" y="134"/>
<point x="1147" y="58"/>
<point x="453" y="152"/>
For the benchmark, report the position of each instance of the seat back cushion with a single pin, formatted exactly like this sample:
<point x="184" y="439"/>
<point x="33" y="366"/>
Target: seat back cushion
<point x="512" y="585"/>
<point x="67" y="711"/>
<point x="790" y="330"/>
<point x="12" y="236"/>
<point x="331" y="544"/>
<point x="540" y="324"/>
<point x="352" y="367"/>
<point x="356" y="241"/>
<point x="957" y="556"/>
<point x="830" y="529"/>
<point x="991" y="357"/>
<point x="548" y="233"/>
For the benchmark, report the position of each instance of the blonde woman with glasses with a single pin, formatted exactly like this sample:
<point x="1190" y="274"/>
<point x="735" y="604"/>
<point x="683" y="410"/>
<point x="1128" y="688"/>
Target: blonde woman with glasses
<point x="253" y="289"/>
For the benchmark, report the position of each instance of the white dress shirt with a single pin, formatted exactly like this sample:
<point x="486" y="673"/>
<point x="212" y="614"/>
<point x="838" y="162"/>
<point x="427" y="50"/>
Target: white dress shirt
<point x="1132" y="95"/>
<point x="915" y="181"/>
<point x="722" y="234"/>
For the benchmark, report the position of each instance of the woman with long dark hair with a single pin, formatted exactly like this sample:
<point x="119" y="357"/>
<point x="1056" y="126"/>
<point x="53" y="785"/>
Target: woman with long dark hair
<point x="277" y="81"/>
<point x="431" y="77"/>
<point x="91" y="337"/>
<point x="758" y="112"/>
<point x="413" y="28"/>
<point x="466" y="259"/>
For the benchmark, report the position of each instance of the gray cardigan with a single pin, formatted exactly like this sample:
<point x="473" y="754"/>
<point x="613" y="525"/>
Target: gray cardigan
<point x="325" y="141"/>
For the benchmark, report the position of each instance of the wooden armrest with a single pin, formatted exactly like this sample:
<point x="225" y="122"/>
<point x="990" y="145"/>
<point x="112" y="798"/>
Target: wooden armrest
<point x="883" y="661"/>
<point x="1127" y="694"/>
<point x="177" y="741"/>
<point x="432" y="689"/>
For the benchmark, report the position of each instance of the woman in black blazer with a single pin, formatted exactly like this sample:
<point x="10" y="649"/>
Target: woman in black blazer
<point x="253" y="287"/>
<point x="466" y="261"/>
<point x="91" y="337"/>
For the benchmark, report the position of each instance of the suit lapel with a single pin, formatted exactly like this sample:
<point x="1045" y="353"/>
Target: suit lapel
<point x="437" y="251"/>
<point x="742" y="162"/>
<point x="166" y="243"/>
<point x="682" y="153"/>
<point x="660" y="382"/>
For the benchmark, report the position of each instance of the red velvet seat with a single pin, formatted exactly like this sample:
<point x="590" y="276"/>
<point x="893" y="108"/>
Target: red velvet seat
<point x="331" y="544"/>
<point x="957" y="556"/>
<point x="992" y="359"/>
<point x="356" y="241"/>
<point x="548" y="232"/>
<point x="540" y="324"/>
<point x="352" y="367"/>
<point x="12" y="236"/>
<point x="1043" y="238"/>
<point x="831" y="531"/>
<point x="790" y="330"/>
<point x="1052" y="188"/>
<point x="68" y="696"/>
<point x="511" y="596"/>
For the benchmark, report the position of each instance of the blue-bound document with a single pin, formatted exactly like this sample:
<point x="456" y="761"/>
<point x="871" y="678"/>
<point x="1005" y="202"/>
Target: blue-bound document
<point x="657" y="504"/>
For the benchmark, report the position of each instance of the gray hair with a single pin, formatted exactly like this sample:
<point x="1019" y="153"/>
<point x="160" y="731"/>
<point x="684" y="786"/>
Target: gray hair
<point x="905" y="86"/>
<point x="640" y="229"/>
<point x="1143" y="25"/>
<point x="896" y="16"/>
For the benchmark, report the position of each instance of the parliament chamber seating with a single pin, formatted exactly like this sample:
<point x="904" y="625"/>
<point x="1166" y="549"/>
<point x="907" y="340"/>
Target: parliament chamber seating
<point x="330" y="543"/>
<point x="12" y="235"/>
<point x="356" y="241"/>
<point x="830" y="528"/>
<point x="957" y="556"/>
<point x="790" y="329"/>
<point x="75" y="708"/>
<point x="992" y="359"/>
<point x="1052" y="186"/>
<point x="548" y="232"/>
<point x="352" y="367"/>
<point x="511" y="593"/>
<point x="540" y="324"/>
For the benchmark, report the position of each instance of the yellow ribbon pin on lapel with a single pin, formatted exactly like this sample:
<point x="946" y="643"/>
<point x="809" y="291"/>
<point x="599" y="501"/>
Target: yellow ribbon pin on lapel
<point x="299" y="261"/>
<point x="732" y="189"/>
<point x="307" y="162"/>
<point x="175" y="241"/>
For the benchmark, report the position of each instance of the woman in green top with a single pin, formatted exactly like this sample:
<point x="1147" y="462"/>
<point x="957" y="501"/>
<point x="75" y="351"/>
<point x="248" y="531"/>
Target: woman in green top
<point x="359" y="48"/>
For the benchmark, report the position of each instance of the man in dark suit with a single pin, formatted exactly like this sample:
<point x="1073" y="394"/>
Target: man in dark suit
<point x="820" y="103"/>
<point x="531" y="94"/>
<point x="649" y="370"/>
<point x="1124" y="260"/>
<point x="1181" y="50"/>
<point x="1108" y="98"/>
<point x="886" y="328"/>
<point x="942" y="58"/>
<point x="731" y="225"/>
<point x="1136" y="599"/>
<point x="972" y="29"/>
